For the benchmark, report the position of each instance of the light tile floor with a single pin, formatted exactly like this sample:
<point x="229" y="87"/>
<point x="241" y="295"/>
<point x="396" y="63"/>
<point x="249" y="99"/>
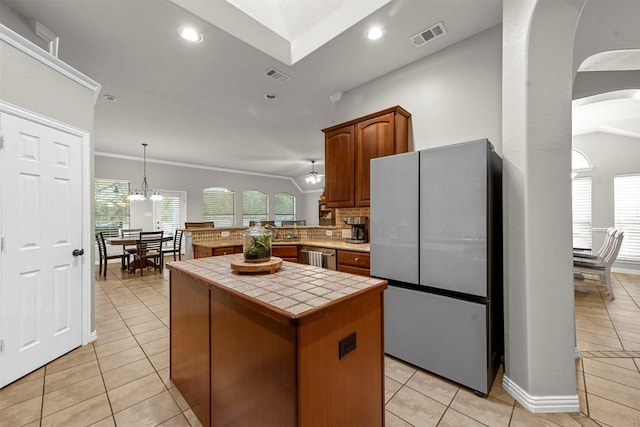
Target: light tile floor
<point x="123" y="378"/>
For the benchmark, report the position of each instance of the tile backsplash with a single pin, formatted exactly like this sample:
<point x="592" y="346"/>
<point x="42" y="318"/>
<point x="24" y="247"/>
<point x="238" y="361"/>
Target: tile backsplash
<point x="341" y="213"/>
<point x="234" y="234"/>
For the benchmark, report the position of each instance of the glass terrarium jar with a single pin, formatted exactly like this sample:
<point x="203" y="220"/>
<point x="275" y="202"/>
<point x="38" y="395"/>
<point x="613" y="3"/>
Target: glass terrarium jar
<point x="256" y="244"/>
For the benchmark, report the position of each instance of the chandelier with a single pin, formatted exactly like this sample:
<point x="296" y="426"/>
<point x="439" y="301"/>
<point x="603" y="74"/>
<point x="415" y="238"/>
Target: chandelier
<point x="143" y="193"/>
<point x="313" y="177"/>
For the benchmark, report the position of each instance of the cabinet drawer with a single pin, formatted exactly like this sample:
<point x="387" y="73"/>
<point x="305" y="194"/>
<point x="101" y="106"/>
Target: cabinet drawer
<point x="354" y="259"/>
<point x="354" y="270"/>
<point x="227" y="250"/>
<point x="289" y="251"/>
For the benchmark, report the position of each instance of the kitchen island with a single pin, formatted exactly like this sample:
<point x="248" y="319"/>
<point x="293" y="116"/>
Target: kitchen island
<point x="300" y="347"/>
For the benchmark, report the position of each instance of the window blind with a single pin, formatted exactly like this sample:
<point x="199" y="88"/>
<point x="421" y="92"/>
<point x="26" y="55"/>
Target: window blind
<point x="219" y="206"/>
<point x="170" y="213"/>
<point x="254" y="206"/>
<point x="582" y="212"/>
<point x="627" y="214"/>
<point x="285" y="207"/>
<point x="111" y="206"/>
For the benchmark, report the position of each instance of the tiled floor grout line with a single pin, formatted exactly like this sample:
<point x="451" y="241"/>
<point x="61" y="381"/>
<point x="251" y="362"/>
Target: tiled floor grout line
<point x="115" y="296"/>
<point x="166" y="387"/>
<point x="106" y="392"/>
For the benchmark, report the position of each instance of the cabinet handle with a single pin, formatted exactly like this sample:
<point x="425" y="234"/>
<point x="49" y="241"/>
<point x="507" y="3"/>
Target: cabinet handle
<point x="356" y="259"/>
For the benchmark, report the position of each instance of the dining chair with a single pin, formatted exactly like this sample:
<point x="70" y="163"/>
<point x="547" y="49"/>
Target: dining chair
<point x="611" y="231"/>
<point x="149" y="246"/>
<point x="105" y="257"/>
<point x="286" y="222"/>
<point x="263" y="223"/>
<point x="177" y="246"/>
<point x="601" y="267"/>
<point x="203" y="224"/>
<point x="131" y="233"/>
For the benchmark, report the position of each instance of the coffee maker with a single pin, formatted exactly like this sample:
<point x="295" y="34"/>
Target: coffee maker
<point x="359" y="229"/>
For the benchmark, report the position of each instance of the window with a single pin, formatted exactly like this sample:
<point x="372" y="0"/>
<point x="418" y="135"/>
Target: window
<point x="582" y="212"/>
<point x="254" y="206"/>
<point x="626" y="189"/>
<point x="579" y="162"/>
<point x="219" y="206"/>
<point x="112" y="206"/>
<point x="285" y="207"/>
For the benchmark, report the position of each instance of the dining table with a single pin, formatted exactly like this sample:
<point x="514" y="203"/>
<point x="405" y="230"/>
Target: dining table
<point x="132" y="241"/>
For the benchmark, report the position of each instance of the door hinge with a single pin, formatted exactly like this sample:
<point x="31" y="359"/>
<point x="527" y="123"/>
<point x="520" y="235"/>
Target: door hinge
<point x="1" y="243"/>
<point x="2" y="342"/>
<point x="1" y="141"/>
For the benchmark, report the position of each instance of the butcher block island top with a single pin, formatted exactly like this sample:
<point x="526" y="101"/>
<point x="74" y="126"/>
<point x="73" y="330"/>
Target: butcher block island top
<point x="300" y="347"/>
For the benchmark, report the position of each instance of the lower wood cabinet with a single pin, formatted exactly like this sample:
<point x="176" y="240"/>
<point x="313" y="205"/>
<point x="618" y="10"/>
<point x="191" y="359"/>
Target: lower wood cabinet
<point x="286" y="252"/>
<point x="228" y="250"/>
<point x="207" y="251"/>
<point x="239" y="363"/>
<point x="354" y="262"/>
<point x="201" y="251"/>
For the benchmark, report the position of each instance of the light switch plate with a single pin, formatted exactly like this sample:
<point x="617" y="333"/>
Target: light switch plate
<point x="224" y="234"/>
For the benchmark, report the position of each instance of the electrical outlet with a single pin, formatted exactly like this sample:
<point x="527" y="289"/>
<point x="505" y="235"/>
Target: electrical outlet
<point x="346" y="233"/>
<point x="224" y="234"/>
<point x="346" y="345"/>
<point x="328" y="233"/>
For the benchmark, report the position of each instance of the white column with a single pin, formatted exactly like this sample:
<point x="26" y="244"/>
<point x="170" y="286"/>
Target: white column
<point x="538" y="39"/>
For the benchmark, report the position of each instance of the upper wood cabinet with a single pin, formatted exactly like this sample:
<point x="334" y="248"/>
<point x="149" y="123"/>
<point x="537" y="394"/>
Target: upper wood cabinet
<point x="350" y="146"/>
<point x="339" y="167"/>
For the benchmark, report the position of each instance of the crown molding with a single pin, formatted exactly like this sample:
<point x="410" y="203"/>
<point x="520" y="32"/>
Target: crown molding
<point x="211" y="168"/>
<point x="36" y="52"/>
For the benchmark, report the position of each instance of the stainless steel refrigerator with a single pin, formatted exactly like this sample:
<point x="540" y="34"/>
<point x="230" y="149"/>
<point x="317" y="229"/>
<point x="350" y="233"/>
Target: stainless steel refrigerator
<point x="436" y="236"/>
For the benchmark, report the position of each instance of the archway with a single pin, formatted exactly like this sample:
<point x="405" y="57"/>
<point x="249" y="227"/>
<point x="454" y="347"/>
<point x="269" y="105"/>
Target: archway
<point x="543" y="45"/>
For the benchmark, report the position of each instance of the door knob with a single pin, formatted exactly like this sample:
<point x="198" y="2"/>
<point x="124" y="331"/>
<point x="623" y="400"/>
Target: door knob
<point x="78" y="252"/>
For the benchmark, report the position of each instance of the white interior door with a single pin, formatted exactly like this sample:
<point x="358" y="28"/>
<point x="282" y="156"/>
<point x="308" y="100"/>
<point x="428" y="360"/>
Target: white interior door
<point x="41" y="287"/>
<point x="169" y="214"/>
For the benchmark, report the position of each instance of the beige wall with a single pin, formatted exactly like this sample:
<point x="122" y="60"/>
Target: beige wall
<point x="453" y="95"/>
<point x="32" y="85"/>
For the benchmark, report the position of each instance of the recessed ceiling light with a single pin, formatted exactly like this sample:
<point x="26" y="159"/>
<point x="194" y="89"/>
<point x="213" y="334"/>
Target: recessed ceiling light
<point x="110" y="98"/>
<point x="270" y="96"/>
<point x="374" y="33"/>
<point x="190" y="34"/>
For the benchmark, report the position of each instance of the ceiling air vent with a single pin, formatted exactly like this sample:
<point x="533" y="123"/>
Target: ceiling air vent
<point x="276" y="75"/>
<point x="429" y="34"/>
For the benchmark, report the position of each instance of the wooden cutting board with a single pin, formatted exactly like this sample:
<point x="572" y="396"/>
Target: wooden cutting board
<point x="271" y="266"/>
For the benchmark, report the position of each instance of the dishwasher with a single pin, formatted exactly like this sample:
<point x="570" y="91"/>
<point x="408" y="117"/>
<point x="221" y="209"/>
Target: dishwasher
<point x="328" y="256"/>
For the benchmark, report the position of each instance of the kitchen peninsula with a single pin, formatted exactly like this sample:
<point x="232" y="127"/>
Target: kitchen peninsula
<point x="299" y="347"/>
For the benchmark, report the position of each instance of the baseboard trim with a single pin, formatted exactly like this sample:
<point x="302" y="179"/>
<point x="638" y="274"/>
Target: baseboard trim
<point x="576" y="353"/>
<point x="93" y="336"/>
<point x="541" y="404"/>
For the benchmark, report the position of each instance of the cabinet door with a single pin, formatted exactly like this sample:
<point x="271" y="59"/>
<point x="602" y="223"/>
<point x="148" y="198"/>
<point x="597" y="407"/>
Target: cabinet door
<point x="339" y="157"/>
<point x="374" y="138"/>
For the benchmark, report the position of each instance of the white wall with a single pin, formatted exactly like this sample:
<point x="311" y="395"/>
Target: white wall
<point x="610" y="155"/>
<point x="453" y="95"/>
<point x="193" y="180"/>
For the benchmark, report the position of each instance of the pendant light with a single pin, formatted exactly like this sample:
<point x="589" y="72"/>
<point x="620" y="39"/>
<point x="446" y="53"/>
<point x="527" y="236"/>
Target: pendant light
<point x="143" y="193"/>
<point x="313" y="177"/>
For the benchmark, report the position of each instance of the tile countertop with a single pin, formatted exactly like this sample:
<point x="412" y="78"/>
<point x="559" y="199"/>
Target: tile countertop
<point x="331" y="244"/>
<point x="295" y="291"/>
